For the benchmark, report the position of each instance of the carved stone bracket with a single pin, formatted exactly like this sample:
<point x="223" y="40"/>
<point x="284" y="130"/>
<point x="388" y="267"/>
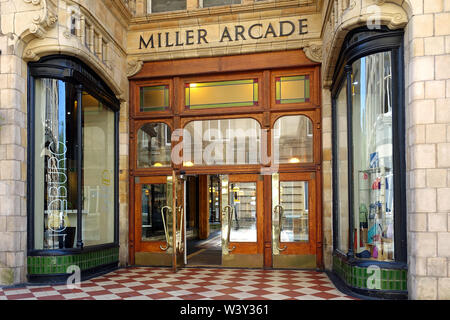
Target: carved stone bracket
<point x="134" y="66"/>
<point x="45" y="19"/>
<point x="314" y="52"/>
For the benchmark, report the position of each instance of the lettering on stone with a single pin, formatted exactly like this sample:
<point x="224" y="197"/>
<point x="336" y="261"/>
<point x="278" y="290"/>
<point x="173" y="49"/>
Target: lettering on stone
<point x="283" y="28"/>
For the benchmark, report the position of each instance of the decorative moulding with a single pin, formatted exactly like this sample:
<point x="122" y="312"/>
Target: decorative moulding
<point x="134" y="66"/>
<point x="314" y="52"/>
<point x="42" y="21"/>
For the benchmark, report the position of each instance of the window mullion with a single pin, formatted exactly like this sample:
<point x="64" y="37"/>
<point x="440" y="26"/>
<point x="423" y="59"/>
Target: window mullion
<point x="79" y="150"/>
<point x="348" y="73"/>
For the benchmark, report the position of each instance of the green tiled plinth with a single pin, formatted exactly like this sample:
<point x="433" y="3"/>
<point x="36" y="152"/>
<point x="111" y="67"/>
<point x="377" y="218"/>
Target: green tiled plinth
<point x="45" y="265"/>
<point x="360" y="277"/>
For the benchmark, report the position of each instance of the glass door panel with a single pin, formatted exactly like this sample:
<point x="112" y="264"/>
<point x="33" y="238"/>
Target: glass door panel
<point x="243" y="202"/>
<point x="293" y="220"/>
<point x="242" y="221"/>
<point x="294" y="201"/>
<point x="154" y="220"/>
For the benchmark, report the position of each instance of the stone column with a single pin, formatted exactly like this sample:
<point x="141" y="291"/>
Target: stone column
<point x="427" y="60"/>
<point x="13" y="220"/>
<point x="327" y="195"/>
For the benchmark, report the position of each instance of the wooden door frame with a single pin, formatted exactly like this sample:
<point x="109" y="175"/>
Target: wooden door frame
<point x="266" y="66"/>
<point x="141" y="246"/>
<point x="250" y="247"/>
<point x="311" y="246"/>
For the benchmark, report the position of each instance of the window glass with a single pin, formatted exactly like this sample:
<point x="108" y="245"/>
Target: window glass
<point x="98" y="172"/>
<point x="221" y="94"/>
<point x="154" y="145"/>
<point x="293" y="140"/>
<point x="154" y="212"/>
<point x="342" y="162"/>
<point x="213" y="3"/>
<point x="295" y="213"/>
<point x="155" y="6"/>
<point x="243" y="220"/>
<point x="221" y="142"/>
<point x="154" y="98"/>
<point x="292" y="89"/>
<point x="372" y="157"/>
<point x="55" y="168"/>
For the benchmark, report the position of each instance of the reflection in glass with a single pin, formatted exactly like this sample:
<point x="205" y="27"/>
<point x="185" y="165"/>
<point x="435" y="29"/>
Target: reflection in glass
<point x="295" y="218"/>
<point x="154" y="145"/>
<point x="243" y="201"/>
<point x="293" y="140"/>
<point x="372" y="157"/>
<point x="342" y="161"/>
<point x="155" y="98"/>
<point x="154" y="198"/>
<point x="218" y="142"/>
<point x="98" y="172"/>
<point x="165" y="5"/>
<point x="55" y="174"/>
<point x="293" y="89"/>
<point x="221" y="94"/>
<point x="213" y="3"/>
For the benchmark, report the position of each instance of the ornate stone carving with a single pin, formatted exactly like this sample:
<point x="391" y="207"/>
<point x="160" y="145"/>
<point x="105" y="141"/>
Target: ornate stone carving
<point x="134" y="66"/>
<point x="314" y="52"/>
<point x="30" y="55"/>
<point x="45" y="19"/>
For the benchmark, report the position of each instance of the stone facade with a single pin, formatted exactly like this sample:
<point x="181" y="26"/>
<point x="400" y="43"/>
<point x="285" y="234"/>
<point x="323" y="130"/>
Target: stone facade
<point x="427" y="70"/>
<point x="30" y="30"/>
<point x="427" y="58"/>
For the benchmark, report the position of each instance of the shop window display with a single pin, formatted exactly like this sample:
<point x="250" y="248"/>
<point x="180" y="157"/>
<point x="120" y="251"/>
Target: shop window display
<point x="372" y="157"/>
<point x="72" y="179"/>
<point x="370" y="134"/>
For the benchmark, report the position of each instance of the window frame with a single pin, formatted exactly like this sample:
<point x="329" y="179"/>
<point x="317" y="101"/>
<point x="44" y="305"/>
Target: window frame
<point x="222" y="110"/>
<point x="314" y="100"/>
<point x="164" y="169"/>
<point x="136" y="90"/>
<point x="360" y="43"/>
<point x="69" y="70"/>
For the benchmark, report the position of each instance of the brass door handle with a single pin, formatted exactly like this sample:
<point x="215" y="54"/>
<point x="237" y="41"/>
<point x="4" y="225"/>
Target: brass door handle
<point x="229" y="211"/>
<point x="280" y="211"/>
<point x="166" y="209"/>
<point x="180" y="231"/>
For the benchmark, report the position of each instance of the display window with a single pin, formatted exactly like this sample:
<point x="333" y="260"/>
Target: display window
<point x="368" y="135"/>
<point x="73" y="160"/>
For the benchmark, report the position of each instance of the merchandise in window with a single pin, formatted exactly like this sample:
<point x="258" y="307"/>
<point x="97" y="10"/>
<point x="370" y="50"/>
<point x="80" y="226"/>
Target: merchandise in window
<point x="369" y="149"/>
<point x="372" y="157"/>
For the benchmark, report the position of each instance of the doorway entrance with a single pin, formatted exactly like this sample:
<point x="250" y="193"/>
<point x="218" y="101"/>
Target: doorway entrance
<point x="225" y="165"/>
<point x="219" y="220"/>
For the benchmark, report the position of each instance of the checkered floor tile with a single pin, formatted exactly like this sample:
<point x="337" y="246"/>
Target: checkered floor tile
<point x="190" y="284"/>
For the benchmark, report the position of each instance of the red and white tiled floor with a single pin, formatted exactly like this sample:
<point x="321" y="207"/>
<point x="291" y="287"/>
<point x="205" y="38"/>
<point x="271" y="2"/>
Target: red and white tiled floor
<point x="190" y="284"/>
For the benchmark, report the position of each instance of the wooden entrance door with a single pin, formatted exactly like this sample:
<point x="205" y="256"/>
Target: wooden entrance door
<point x="242" y="220"/>
<point x="294" y="218"/>
<point x="159" y="221"/>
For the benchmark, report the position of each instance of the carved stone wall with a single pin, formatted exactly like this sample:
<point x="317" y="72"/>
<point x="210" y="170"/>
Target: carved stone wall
<point x="31" y="29"/>
<point x="427" y="61"/>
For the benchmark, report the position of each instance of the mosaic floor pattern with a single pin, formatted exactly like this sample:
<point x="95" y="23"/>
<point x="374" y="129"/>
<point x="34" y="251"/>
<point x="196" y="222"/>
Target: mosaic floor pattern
<point x="190" y="284"/>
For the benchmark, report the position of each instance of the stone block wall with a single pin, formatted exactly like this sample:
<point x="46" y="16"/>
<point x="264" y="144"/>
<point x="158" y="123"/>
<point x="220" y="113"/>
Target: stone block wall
<point x="427" y="88"/>
<point x="30" y="30"/>
<point x="13" y="139"/>
<point x="327" y="177"/>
